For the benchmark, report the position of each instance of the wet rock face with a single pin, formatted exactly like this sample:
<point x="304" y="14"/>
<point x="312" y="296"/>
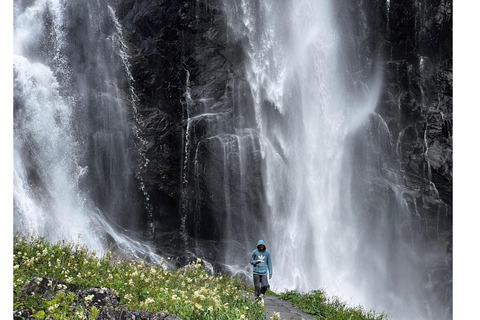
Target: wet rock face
<point x="193" y="109"/>
<point x="414" y="39"/>
<point x="418" y="94"/>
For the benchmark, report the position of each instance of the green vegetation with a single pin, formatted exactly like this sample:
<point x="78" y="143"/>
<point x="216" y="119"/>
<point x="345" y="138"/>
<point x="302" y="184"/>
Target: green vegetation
<point x="320" y="306"/>
<point x="189" y="292"/>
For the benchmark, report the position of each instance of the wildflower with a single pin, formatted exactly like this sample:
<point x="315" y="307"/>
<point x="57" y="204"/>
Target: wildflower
<point x="149" y="300"/>
<point x="89" y="298"/>
<point x="275" y="316"/>
<point x="242" y="317"/>
<point x="51" y="308"/>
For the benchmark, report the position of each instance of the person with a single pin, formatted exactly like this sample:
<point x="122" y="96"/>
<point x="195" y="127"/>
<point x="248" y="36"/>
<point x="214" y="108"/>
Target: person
<point x="261" y="262"/>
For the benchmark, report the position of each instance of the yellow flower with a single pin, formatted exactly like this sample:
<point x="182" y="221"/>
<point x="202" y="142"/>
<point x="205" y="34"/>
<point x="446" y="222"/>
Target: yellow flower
<point x="275" y="316"/>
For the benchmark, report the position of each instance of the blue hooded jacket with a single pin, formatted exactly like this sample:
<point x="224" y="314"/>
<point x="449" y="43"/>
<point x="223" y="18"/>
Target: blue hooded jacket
<point x="265" y="260"/>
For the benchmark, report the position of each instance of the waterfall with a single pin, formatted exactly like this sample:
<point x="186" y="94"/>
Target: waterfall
<point x="335" y="200"/>
<point x="75" y="140"/>
<point x="277" y="137"/>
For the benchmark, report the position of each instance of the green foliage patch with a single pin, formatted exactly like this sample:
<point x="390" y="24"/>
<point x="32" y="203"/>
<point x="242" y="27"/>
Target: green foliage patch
<point x="320" y="306"/>
<point x="190" y="292"/>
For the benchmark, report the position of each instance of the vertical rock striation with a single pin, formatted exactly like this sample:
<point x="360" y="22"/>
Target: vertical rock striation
<point x="195" y="117"/>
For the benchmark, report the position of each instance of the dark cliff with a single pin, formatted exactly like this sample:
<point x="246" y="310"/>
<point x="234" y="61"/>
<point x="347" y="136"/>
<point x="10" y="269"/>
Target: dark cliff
<point x="194" y="113"/>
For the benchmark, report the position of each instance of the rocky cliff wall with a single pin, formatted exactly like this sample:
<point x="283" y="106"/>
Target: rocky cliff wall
<point x="195" y="114"/>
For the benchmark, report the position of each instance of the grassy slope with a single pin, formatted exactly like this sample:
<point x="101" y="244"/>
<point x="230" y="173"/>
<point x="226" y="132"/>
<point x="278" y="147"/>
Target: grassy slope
<point x="189" y="293"/>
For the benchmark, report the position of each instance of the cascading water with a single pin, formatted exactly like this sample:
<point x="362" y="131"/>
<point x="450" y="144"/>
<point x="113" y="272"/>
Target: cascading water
<point x="74" y="141"/>
<point x="336" y="210"/>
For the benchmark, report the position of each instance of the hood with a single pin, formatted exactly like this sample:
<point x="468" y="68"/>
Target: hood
<point x="261" y="242"/>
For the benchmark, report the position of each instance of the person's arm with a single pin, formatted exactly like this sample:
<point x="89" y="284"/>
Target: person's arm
<point x="253" y="262"/>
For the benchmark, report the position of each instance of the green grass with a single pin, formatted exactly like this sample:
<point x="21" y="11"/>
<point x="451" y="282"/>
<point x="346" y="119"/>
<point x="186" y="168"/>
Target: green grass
<point x="320" y="306"/>
<point x="190" y="292"/>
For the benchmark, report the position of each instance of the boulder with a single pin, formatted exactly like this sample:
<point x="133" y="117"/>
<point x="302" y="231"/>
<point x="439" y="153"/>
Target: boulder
<point x="98" y="297"/>
<point x="47" y="287"/>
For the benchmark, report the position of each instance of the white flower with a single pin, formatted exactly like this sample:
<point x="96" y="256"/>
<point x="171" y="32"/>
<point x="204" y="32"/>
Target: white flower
<point x="51" y="308"/>
<point x="275" y="316"/>
<point x="89" y="298"/>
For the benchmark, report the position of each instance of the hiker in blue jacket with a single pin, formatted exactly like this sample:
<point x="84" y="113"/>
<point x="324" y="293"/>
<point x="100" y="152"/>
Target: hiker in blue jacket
<point x="261" y="262"/>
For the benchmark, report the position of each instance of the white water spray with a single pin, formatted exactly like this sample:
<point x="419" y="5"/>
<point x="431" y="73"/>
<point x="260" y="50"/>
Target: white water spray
<point x="49" y="175"/>
<point x="319" y="234"/>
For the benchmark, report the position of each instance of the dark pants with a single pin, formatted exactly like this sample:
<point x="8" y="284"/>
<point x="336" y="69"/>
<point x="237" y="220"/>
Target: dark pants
<point x="260" y="281"/>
